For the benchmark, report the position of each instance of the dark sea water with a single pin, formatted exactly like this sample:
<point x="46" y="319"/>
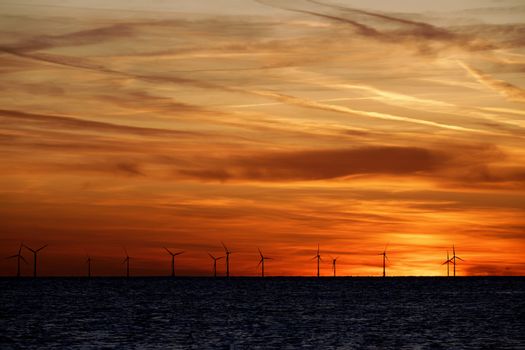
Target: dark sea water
<point x="252" y="313"/>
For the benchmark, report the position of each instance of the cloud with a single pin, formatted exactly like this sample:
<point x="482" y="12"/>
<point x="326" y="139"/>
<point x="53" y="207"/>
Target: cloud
<point x="83" y="37"/>
<point x="68" y="122"/>
<point x="418" y="34"/>
<point x="509" y="91"/>
<point x="325" y="164"/>
<point x="473" y="166"/>
<point x="495" y="269"/>
<point x="421" y="29"/>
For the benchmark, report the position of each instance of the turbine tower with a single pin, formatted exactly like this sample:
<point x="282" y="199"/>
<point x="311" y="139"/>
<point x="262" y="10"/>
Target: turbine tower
<point x="215" y="263"/>
<point x="126" y="261"/>
<point x="228" y="252"/>
<point x="454" y="257"/>
<point x="88" y="262"/>
<point x="18" y="257"/>
<point x="173" y="255"/>
<point x="261" y="262"/>
<point x="448" y="262"/>
<point x="334" y="262"/>
<point x="385" y="258"/>
<point x="318" y="257"/>
<point x="35" y="252"/>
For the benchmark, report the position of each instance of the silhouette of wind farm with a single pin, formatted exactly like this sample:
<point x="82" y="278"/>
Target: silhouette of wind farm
<point x="18" y="257"/>
<point x="215" y="263"/>
<point x="227" y="252"/>
<point x="173" y="255"/>
<point x="88" y="262"/>
<point x="448" y="262"/>
<point x="385" y="258"/>
<point x="35" y="253"/>
<point x="262" y="261"/>
<point x="318" y="257"/>
<point x="454" y="258"/>
<point x="334" y="262"/>
<point x="126" y="261"/>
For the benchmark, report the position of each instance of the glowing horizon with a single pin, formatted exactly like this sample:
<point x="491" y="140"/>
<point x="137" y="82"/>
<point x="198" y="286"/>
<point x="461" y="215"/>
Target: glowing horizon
<point x="266" y="124"/>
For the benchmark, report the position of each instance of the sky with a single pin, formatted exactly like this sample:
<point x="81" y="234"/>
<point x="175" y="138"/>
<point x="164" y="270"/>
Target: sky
<point x="274" y="125"/>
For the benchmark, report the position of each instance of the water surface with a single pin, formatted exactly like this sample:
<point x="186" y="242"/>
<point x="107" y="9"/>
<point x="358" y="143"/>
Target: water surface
<point x="270" y="313"/>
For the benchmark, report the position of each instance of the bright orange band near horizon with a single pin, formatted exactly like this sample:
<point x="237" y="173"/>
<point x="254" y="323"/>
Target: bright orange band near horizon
<point x="271" y="125"/>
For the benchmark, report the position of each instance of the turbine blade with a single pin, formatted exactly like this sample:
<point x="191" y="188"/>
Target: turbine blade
<point x="457" y="257"/>
<point x="29" y="248"/>
<point x="39" y="249"/>
<point x="12" y="256"/>
<point x="169" y="251"/>
<point x="179" y="253"/>
<point x="260" y="253"/>
<point x="211" y="256"/>
<point x="23" y="259"/>
<point x="225" y="248"/>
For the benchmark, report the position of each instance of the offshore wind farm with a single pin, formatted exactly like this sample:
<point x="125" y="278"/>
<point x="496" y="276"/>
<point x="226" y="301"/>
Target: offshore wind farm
<point x="261" y="263"/>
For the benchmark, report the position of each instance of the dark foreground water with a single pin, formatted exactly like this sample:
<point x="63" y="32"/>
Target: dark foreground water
<point x="252" y="313"/>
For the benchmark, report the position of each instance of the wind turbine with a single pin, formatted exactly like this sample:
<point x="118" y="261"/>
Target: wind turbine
<point x="173" y="255"/>
<point x="215" y="263"/>
<point x="35" y="252"/>
<point x="448" y="262"/>
<point x="18" y="258"/>
<point x="334" y="261"/>
<point x="261" y="262"/>
<point x="385" y="258"/>
<point x="228" y="252"/>
<point x="318" y="257"/>
<point x="88" y="262"/>
<point x="454" y="257"/>
<point x="126" y="261"/>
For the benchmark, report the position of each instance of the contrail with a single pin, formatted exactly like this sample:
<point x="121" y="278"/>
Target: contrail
<point x="70" y="62"/>
<point x="430" y="30"/>
<point x="361" y="28"/>
<point x="511" y="92"/>
<point x="346" y="110"/>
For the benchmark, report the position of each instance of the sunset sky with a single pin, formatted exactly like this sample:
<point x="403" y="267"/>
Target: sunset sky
<point x="272" y="124"/>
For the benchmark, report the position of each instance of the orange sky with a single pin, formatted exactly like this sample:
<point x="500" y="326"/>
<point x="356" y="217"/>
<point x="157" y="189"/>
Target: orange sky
<point x="264" y="124"/>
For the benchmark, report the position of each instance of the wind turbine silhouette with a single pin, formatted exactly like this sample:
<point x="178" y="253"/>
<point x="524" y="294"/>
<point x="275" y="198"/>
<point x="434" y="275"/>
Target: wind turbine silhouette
<point x="454" y="257"/>
<point x="228" y="252"/>
<point x="385" y="258"/>
<point x="334" y="261"/>
<point x="35" y="252"/>
<point x="448" y="262"/>
<point x="215" y="263"/>
<point x="18" y="257"/>
<point x="261" y="262"/>
<point x="88" y="262"/>
<point x="318" y="257"/>
<point x="173" y="255"/>
<point x="126" y="261"/>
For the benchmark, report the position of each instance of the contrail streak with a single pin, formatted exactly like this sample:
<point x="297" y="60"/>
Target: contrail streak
<point x="71" y="62"/>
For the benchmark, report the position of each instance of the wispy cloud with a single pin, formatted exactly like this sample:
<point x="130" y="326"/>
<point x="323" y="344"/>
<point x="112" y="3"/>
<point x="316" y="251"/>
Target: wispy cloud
<point x="502" y="87"/>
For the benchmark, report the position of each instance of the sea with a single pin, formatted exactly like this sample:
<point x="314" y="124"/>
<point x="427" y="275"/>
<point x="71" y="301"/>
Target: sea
<point x="263" y="313"/>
